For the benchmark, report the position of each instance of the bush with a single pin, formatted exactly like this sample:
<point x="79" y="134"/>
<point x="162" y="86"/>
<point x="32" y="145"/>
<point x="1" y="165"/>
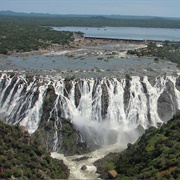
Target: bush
<point x="19" y="159"/>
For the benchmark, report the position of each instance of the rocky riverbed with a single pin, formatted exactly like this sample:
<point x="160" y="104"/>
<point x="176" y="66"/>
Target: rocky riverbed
<point x="87" y="58"/>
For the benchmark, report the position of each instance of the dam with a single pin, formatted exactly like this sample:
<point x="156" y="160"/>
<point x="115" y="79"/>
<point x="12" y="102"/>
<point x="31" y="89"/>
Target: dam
<point x="135" y="34"/>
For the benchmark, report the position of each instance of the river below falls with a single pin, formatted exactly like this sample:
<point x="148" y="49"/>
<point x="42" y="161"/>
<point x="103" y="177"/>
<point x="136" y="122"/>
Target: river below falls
<point x="75" y="165"/>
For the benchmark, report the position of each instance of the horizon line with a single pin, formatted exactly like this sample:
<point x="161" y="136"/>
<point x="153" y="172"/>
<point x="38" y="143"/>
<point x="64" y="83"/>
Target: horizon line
<point x="89" y="14"/>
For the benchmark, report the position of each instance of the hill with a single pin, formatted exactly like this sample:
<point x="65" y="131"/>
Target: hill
<point x="40" y="19"/>
<point x="113" y="16"/>
<point x="21" y="158"/>
<point x="155" y="155"/>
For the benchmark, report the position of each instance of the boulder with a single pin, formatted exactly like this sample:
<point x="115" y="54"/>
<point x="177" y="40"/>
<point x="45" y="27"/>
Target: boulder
<point x="82" y="158"/>
<point x="83" y="167"/>
<point x="112" y="174"/>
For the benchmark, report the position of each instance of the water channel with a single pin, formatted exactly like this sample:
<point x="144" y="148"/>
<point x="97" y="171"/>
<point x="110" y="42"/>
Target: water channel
<point x="76" y="165"/>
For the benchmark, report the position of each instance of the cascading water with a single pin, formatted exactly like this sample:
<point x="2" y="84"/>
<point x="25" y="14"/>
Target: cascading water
<point x="104" y="111"/>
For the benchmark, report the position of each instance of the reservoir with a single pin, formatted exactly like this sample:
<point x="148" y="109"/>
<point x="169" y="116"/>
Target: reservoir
<point x="135" y="33"/>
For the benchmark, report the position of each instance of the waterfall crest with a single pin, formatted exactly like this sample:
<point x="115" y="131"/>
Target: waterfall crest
<point x="103" y="111"/>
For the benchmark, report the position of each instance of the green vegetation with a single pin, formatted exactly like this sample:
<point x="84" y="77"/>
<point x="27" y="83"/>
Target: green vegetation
<point x="70" y="78"/>
<point x="100" y="58"/>
<point x="22" y="33"/>
<point x="169" y="51"/>
<point x="49" y="100"/>
<point x="155" y="155"/>
<point x="22" y="158"/>
<point x="128" y="77"/>
<point x="93" y="21"/>
<point x="24" y="36"/>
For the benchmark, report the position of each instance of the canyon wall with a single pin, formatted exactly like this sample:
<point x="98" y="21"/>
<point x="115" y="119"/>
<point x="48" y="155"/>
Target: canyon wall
<point x="84" y="114"/>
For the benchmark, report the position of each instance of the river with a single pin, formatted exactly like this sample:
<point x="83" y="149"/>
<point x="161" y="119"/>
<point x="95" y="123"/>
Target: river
<point x="108" y="60"/>
<point x="75" y="166"/>
<point x="99" y="61"/>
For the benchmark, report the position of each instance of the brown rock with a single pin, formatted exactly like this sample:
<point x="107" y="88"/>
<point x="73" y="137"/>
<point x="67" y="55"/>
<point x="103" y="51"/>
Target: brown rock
<point x="112" y="174"/>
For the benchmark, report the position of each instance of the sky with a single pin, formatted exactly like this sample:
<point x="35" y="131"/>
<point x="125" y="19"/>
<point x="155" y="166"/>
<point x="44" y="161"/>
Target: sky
<point x="161" y="8"/>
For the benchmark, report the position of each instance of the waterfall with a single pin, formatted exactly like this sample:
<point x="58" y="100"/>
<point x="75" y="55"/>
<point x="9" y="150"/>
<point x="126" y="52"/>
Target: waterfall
<point x="102" y="110"/>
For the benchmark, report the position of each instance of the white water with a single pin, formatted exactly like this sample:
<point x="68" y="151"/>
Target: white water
<point x="90" y="172"/>
<point x="106" y="111"/>
<point x="22" y="98"/>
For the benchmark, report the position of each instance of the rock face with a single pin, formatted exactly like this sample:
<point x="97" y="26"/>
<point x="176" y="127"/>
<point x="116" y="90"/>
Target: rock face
<point x="167" y="105"/>
<point x="70" y="140"/>
<point x="82" y="158"/>
<point x="84" y="114"/>
<point x="165" y="108"/>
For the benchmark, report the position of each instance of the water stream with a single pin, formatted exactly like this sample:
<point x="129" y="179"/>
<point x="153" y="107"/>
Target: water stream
<point x="90" y="173"/>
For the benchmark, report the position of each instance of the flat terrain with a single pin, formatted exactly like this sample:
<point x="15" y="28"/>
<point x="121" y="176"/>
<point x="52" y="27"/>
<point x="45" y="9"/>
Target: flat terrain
<point x="87" y="58"/>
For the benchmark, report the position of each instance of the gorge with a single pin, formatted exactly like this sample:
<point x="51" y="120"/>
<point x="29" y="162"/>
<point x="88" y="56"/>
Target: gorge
<point x="103" y="111"/>
<point x="81" y="104"/>
<point x="78" y="96"/>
